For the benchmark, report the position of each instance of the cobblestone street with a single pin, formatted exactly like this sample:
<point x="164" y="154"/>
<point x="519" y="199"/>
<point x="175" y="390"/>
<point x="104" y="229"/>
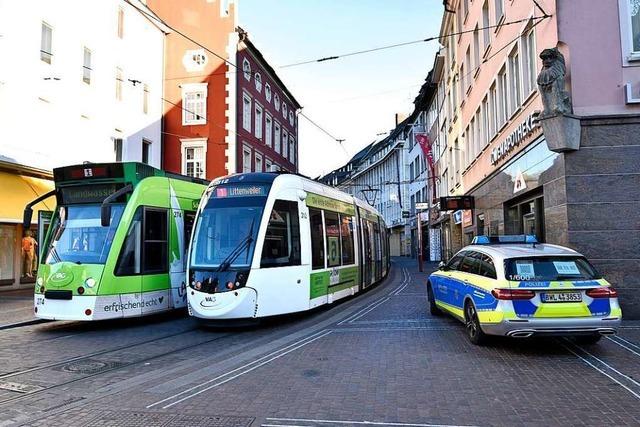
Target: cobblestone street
<point x="378" y="359"/>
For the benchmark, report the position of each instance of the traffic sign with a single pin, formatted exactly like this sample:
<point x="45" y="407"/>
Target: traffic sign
<point x="420" y="206"/>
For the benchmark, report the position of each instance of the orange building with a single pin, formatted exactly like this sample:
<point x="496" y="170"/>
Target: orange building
<point x="197" y="135"/>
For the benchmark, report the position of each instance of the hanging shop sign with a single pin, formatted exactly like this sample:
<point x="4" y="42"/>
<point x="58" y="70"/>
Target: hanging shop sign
<point x="525" y="129"/>
<point x="457" y="217"/>
<point x="453" y="203"/>
<point x="467" y="218"/>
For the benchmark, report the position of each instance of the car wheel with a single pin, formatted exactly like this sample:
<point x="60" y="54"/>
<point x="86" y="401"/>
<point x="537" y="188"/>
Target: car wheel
<point x="433" y="307"/>
<point x="588" y="339"/>
<point x="474" y="331"/>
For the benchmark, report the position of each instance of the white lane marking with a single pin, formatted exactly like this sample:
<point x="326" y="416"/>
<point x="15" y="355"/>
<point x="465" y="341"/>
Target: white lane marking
<point x="602" y="372"/>
<point x="369" y="310"/>
<point x="235" y="370"/>
<point x="375" y="423"/>
<point x="623" y="346"/>
<point x="246" y="371"/>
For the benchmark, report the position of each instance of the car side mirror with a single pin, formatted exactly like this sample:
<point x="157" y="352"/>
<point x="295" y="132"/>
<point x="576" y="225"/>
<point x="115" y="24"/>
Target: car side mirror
<point x="442" y="266"/>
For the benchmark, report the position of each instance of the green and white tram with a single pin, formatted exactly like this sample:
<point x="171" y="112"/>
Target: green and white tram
<point x="266" y="244"/>
<point x="117" y="244"/>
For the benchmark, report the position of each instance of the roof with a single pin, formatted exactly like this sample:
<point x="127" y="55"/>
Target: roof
<point x="244" y="38"/>
<point x="521" y="250"/>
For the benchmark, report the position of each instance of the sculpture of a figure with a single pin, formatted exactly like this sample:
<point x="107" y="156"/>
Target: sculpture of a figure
<point x="555" y="99"/>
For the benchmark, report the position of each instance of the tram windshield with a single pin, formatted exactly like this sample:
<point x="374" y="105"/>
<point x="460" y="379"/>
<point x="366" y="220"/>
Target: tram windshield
<point x="226" y="231"/>
<point x="78" y="236"/>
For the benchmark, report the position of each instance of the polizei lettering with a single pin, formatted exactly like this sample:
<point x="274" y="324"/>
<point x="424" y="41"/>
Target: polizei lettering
<point x="512" y="141"/>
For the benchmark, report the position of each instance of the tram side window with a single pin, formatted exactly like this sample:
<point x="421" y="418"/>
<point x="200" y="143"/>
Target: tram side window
<point x="155" y="241"/>
<point x="282" y="239"/>
<point x="317" y="239"/>
<point x="346" y="232"/>
<point x="332" y="228"/>
<point x="129" y="260"/>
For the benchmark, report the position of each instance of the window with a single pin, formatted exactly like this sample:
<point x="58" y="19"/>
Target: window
<point x="267" y="165"/>
<point x="291" y="117"/>
<point x="258" y="82"/>
<point x="529" y="64"/>
<point x="486" y="267"/>
<point x="485" y="121"/>
<point x="276" y="102"/>
<point x="486" y="32"/>
<point x="120" y="22"/>
<point x="292" y="150"/>
<point x="46" y="43"/>
<point x="504" y="98"/>
<point x="454" y="263"/>
<point x="317" y="239"/>
<point x="634" y="16"/>
<point x="466" y="80"/>
<point x="477" y="135"/>
<point x="268" y="128"/>
<point x="246" y="160"/>
<point x="146" y="150"/>
<point x="246" y="69"/>
<point x="194" y="104"/>
<point x="332" y="229"/>
<point x="515" y="98"/>
<point x="117" y="149"/>
<point x="258" y="123"/>
<point x="285" y="144"/>
<point x="493" y="111"/>
<point x="456" y="148"/>
<point x="131" y="254"/>
<point x="281" y="245"/>
<point x="267" y="92"/>
<point x="499" y="4"/>
<point x="276" y="136"/>
<point x="471" y="140"/>
<point x="86" y="66"/>
<point x="194" y="157"/>
<point x="284" y="111"/>
<point x="346" y="236"/>
<point x="154" y="251"/>
<point x="469" y="264"/>
<point x="119" y="79"/>
<point x="476" y="49"/>
<point x="145" y="99"/>
<point x="454" y="94"/>
<point x="246" y="112"/>
<point x="258" y="167"/>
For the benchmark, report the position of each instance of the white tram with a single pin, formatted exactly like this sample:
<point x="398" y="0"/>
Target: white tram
<point x="266" y="244"/>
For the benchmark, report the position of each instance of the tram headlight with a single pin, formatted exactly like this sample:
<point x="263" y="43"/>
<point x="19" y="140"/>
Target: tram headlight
<point x="40" y="281"/>
<point x="230" y="285"/>
<point x="90" y="282"/>
<point x="198" y="285"/>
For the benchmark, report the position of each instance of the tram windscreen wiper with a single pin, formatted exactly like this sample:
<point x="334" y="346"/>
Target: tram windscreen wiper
<point x="235" y="253"/>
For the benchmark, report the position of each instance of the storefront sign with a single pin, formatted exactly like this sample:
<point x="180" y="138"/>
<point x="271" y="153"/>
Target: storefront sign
<point x="503" y="149"/>
<point x="421" y="206"/>
<point x="457" y="217"/>
<point x="467" y="218"/>
<point x="453" y="203"/>
<point x="406" y="214"/>
<point x="520" y="183"/>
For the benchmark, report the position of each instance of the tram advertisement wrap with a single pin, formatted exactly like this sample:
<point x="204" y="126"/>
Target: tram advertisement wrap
<point x="321" y="283"/>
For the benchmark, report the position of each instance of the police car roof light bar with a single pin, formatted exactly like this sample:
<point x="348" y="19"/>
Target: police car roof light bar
<point x="504" y="239"/>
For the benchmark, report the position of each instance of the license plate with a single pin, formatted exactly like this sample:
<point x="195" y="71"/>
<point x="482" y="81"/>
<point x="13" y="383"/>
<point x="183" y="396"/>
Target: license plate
<point x="561" y="297"/>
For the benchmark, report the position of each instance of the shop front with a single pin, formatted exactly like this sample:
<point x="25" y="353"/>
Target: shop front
<point x="20" y="248"/>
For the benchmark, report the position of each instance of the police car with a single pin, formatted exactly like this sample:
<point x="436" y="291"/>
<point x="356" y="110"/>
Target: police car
<point x="513" y="286"/>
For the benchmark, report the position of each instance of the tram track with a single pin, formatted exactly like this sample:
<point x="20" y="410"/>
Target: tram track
<point x="107" y="370"/>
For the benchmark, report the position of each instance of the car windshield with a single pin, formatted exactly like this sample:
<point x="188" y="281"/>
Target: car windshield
<point x="225" y="226"/>
<point x="549" y="269"/>
<point x="78" y="236"/>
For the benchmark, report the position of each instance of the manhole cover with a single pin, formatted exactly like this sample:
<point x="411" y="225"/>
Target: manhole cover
<point x="88" y="366"/>
<point x="19" y="387"/>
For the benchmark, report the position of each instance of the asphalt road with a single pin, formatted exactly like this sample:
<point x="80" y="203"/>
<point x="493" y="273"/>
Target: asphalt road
<point x="377" y="359"/>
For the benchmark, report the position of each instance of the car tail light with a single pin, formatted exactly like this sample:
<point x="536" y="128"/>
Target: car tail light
<point x="602" y="292"/>
<point x="512" y="294"/>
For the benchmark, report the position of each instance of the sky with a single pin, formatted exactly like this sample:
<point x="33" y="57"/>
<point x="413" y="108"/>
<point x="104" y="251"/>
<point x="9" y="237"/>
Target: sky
<point x="354" y="98"/>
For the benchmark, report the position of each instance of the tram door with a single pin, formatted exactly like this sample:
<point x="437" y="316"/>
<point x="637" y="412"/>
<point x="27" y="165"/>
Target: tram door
<point x="366" y="254"/>
<point x="378" y="251"/>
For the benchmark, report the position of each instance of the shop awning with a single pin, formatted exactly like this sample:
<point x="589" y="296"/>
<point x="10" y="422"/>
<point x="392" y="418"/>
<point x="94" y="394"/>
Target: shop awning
<point x="18" y="190"/>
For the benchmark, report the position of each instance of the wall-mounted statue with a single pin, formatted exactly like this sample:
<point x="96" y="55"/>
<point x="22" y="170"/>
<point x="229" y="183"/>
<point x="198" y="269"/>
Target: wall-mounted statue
<point x="555" y="99"/>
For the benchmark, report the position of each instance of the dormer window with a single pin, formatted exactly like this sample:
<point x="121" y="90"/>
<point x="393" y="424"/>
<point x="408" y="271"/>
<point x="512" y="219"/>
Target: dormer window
<point x="276" y="102"/>
<point x="246" y="69"/>
<point x="267" y="92"/>
<point x="258" y="81"/>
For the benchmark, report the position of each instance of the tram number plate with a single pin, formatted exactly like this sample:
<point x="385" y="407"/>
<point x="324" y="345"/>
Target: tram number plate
<point x="561" y="297"/>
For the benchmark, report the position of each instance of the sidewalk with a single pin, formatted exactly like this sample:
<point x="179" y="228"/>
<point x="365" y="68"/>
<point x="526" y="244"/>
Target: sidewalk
<point x="16" y="306"/>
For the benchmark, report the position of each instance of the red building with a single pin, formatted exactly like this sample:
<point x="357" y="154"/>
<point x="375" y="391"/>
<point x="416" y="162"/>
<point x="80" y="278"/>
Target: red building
<point x="226" y="110"/>
<point x="266" y="117"/>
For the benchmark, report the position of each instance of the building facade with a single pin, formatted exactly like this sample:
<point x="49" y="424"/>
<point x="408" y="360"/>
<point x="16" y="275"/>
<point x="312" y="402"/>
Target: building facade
<point x="267" y="114"/>
<point x="71" y="91"/>
<point x="569" y="177"/>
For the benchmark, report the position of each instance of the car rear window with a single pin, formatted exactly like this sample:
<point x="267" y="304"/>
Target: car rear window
<point x="549" y="269"/>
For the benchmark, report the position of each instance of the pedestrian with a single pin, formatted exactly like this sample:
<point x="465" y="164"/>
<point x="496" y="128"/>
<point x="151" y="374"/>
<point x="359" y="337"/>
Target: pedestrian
<point x="29" y="245"/>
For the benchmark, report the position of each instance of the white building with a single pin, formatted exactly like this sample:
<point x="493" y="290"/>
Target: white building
<point x="80" y="81"/>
